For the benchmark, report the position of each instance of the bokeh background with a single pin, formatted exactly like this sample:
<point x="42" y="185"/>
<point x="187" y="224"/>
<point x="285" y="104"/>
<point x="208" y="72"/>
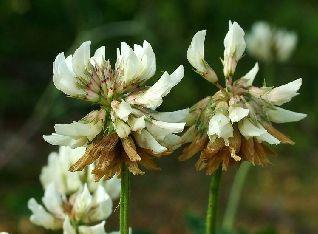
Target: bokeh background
<point x="279" y="198"/>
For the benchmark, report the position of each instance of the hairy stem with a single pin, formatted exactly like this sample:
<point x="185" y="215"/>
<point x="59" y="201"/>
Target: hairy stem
<point x="212" y="203"/>
<point x="124" y="199"/>
<point x="235" y="195"/>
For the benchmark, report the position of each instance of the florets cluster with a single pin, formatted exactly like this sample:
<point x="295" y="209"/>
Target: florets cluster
<point x="268" y="43"/>
<point x="73" y="201"/>
<point x="235" y="123"/>
<point x="126" y="128"/>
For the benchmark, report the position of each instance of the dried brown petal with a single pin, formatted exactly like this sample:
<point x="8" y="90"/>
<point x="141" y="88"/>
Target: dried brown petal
<point x="218" y="159"/>
<point x="213" y="147"/>
<point x="196" y="146"/>
<point x="235" y="141"/>
<point x="260" y="153"/>
<point x="105" y="144"/>
<point x="247" y="149"/>
<point x="213" y="164"/>
<point x="133" y="168"/>
<point x="201" y="163"/>
<point x="226" y="161"/>
<point x="280" y="136"/>
<point x="130" y="149"/>
<point x="147" y="162"/>
<point x="103" y="164"/>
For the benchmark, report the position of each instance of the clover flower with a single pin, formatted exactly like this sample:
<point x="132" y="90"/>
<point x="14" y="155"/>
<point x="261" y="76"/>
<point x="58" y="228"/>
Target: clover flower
<point x="126" y="127"/>
<point x="66" y="182"/>
<point x="235" y="123"/>
<point x="72" y="201"/>
<point x="267" y="43"/>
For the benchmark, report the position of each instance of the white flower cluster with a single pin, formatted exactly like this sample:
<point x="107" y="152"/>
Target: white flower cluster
<point x="72" y="201"/>
<point x="267" y="43"/>
<point x="127" y="105"/>
<point x="239" y="109"/>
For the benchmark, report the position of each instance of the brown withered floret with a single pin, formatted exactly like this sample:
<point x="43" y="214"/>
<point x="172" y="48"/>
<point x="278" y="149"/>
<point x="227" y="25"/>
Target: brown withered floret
<point x="215" y="154"/>
<point x="110" y="151"/>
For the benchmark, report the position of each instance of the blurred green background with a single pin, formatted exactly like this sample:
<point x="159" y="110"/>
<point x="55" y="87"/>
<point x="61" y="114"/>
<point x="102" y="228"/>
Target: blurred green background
<point x="279" y="198"/>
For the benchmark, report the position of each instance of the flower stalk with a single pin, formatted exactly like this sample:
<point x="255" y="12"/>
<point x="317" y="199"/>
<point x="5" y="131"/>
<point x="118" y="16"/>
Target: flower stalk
<point x="124" y="200"/>
<point x="212" y="203"/>
<point x="235" y="195"/>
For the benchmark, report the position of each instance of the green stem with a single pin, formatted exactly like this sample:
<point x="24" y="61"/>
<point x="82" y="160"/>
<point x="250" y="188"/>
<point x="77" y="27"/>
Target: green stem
<point x="124" y="199"/>
<point x="235" y="195"/>
<point x="212" y="203"/>
<point x="269" y="73"/>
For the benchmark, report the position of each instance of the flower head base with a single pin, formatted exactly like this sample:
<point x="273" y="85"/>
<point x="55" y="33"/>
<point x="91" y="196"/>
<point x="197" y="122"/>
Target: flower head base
<point x="267" y="43"/>
<point x="126" y="128"/>
<point x="235" y="123"/>
<point x="72" y="201"/>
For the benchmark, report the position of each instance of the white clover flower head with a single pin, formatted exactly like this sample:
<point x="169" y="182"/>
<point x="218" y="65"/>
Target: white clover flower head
<point x="73" y="201"/>
<point x="126" y="118"/>
<point x="66" y="212"/>
<point x="66" y="182"/>
<point x="57" y="171"/>
<point x="259" y="41"/>
<point x="235" y="124"/>
<point x="285" y="42"/>
<point x="266" y="42"/>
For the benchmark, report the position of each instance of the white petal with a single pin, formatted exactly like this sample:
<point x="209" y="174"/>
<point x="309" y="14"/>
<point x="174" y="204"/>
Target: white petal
<point x="81" y="58"/>
<point x="67" y="227"/>
<point x="221" y="126"/>
<point x="160" y="129"/>
<point x="102" y="204"/>
<point x="234" y="42"/>
<point x="82" y="203"/>
<point x="237" y="113"/>
<point x="145" y="140"/>
<point x="248" y="129"/>
<point x="96" y="229"/>
<point x="99" y="56"/>
<point x="136" y="123"/>
<point x="41" y="217"/>
<point x="79" y="129"/>
<point x="172" y="117"/>
<point x="147" y="59"/>
<point x="112" y="187"/>
<point x="129" y="63"/>
<point x="57" y="170"/>
<point x="152" y="98"/>
<point x="123" y="110"/>
<point x="234" y="47"/>
<point x="249" y="77"/>
<point x="195" y="53"/>
<point x="284" y="93"/>
<point x="171" y="141"/>
<point x="56" y="139"/>
<point x="63" y="76"/>
<point x="280" y="115"/>
<point x="268" y="138"/>
<point x="52" y="200"/>
<point x="121" y="128"/>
